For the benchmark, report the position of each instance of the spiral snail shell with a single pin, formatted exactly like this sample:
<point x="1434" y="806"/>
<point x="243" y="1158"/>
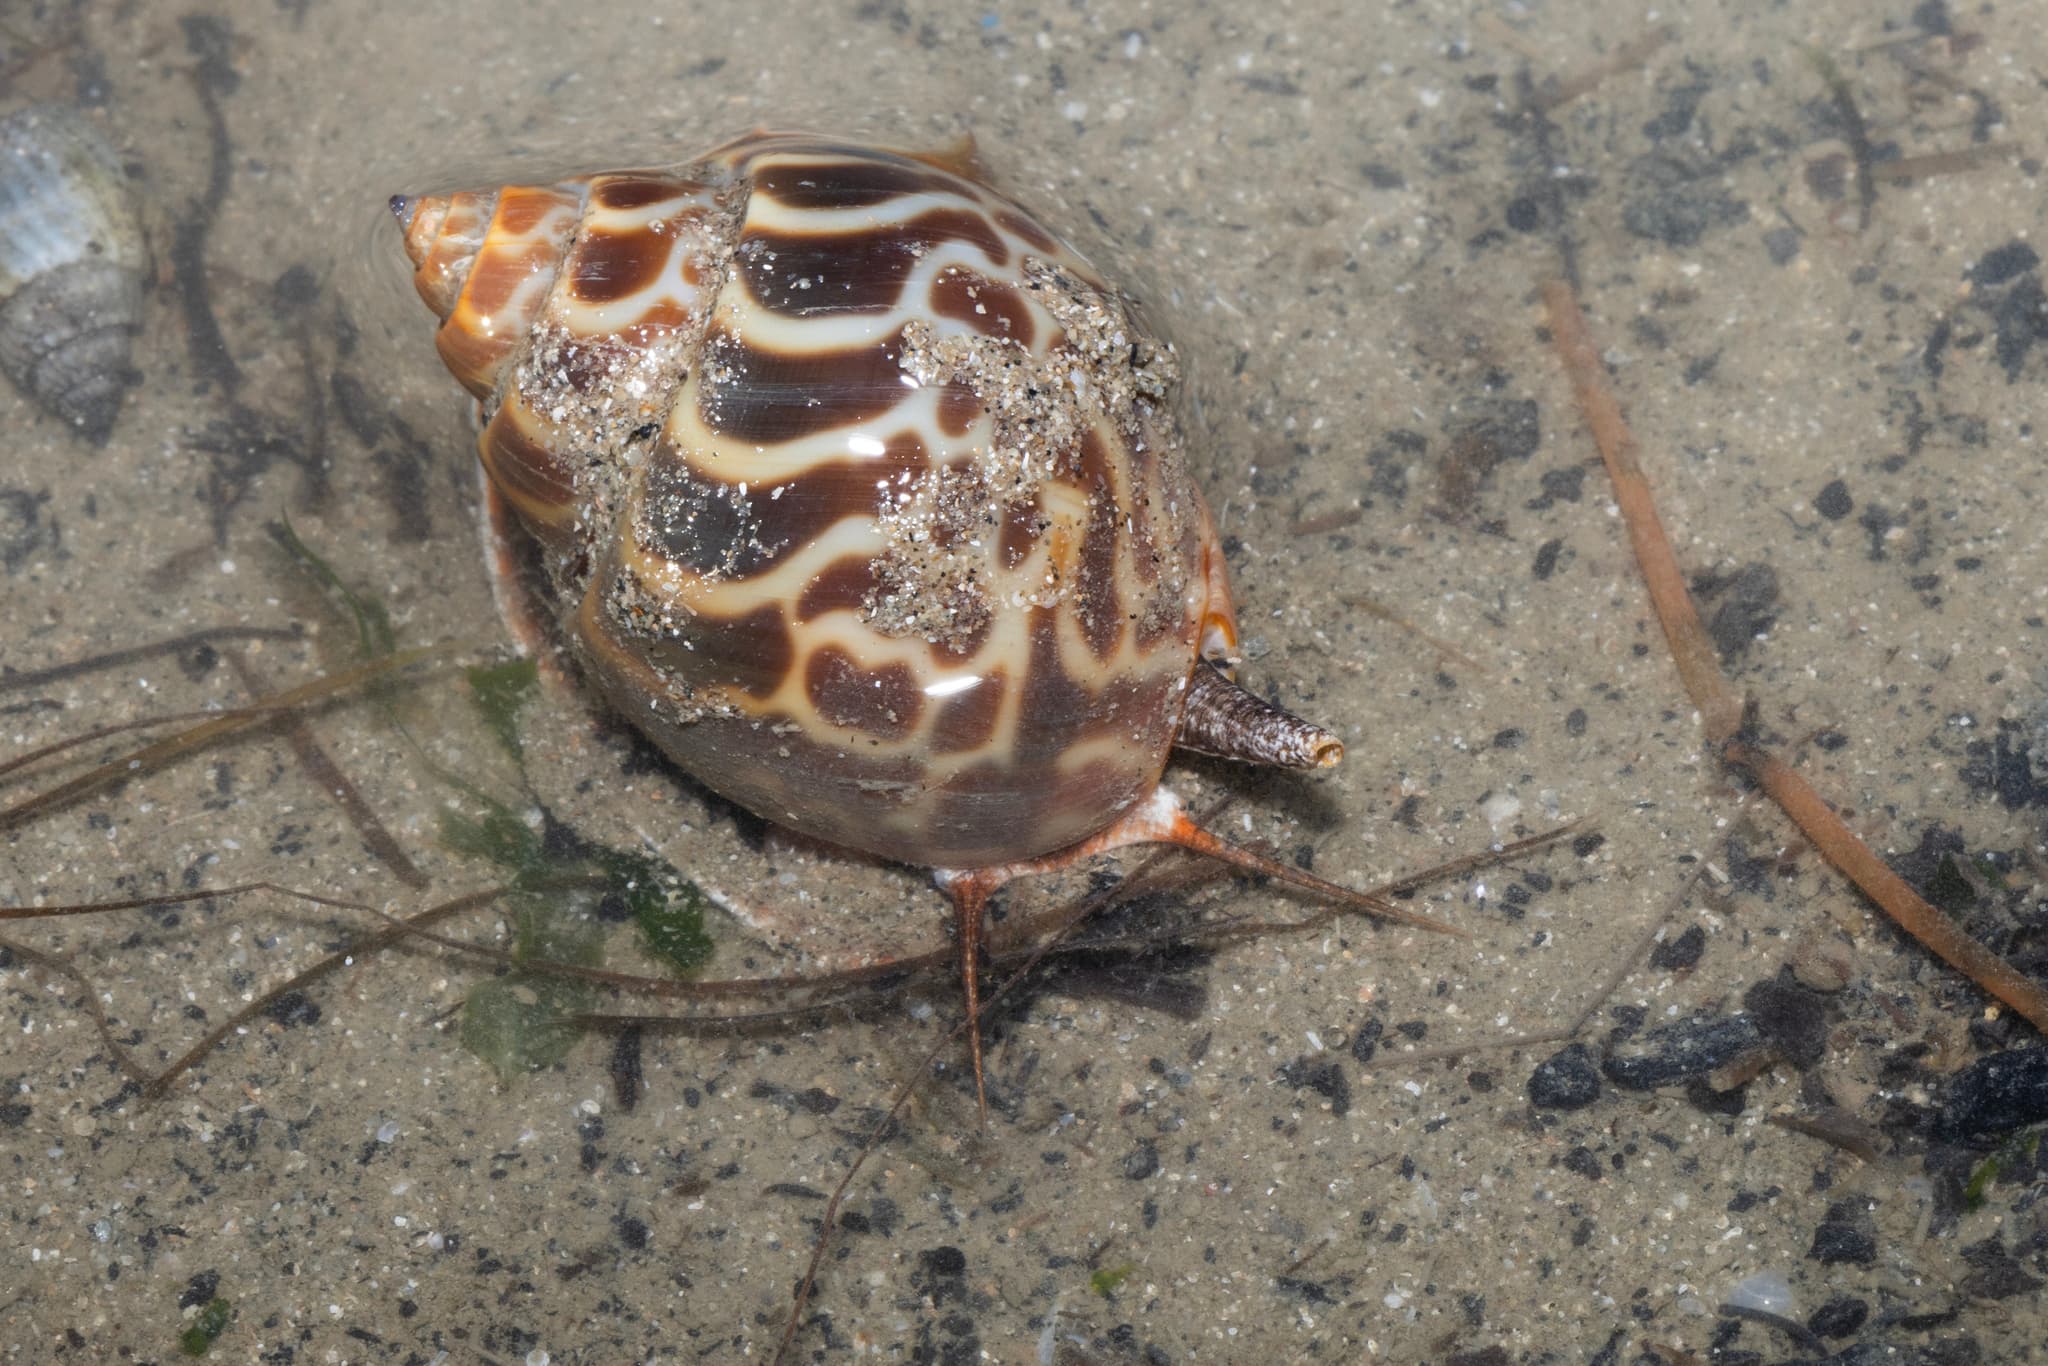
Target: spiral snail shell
<point x="72" y="260"/>
<point x="861" y="494"/>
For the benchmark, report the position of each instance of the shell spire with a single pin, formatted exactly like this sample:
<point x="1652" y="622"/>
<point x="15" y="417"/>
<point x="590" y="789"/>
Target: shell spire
<point x="1224" y="720"/>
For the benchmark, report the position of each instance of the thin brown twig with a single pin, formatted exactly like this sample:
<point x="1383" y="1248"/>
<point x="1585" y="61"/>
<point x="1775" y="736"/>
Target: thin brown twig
<point x="172" y="718"/>
<point x="1373" y="607"/>
<point x="1931" y="164"/>
<point x="1635" y="52"/>
<point x="90" y="999"/>
<point x="1325" y="522"/>
<point x="1305" y="1258"/>
<point x="113" y="659"/>
<point x="137" y="903"/>
<point x="1721" y="710"/>
<point x="1835" y="1126"/>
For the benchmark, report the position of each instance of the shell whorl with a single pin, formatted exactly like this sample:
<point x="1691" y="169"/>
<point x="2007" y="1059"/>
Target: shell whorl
<point x="72" y="261"/>
<point x="861" y="493"/>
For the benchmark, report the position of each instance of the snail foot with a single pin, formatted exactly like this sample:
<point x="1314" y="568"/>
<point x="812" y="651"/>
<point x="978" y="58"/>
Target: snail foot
<point x="515" y="585"/>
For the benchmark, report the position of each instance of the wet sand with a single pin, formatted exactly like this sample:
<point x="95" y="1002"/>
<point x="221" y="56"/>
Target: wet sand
<point x="1822" y="315"/>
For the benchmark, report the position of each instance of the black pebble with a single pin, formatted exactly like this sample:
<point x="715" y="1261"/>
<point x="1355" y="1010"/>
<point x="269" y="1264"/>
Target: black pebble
<point x="1996" y="1094"/>
<point x="1681" y="952"/>
<point x="201" y="1289"/>
<point x="2000" y="264"/>
<point x="1682" y="1051"/>
<point x="1567" y="483"/>
<point x="1782" y="244"/>
<point x="1833" y="501"/>
<point x="297" y="287"/>
<point x="1846" y="1233"/>
<point x="942" y="1261"/>
<point x="1366" y="1041"/>
<point x="2017" y="317"/>
<point x="1581" y="1161"/>
<point x="1566" y="1080"/>
<point x="1839" y="1317"/>
<point x="1141" y="1161"/>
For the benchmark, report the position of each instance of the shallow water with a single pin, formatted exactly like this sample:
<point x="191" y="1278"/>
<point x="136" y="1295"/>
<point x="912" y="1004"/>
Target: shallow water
<point x="1348" y="218"/>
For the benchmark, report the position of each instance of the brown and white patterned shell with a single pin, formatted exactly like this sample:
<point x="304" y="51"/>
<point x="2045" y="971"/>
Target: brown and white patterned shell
<point x="860" y="492"/>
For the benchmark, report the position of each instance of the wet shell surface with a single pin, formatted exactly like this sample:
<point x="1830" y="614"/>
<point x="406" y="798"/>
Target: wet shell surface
<point x="72" y="262"/>
<point x="860" y="492"/>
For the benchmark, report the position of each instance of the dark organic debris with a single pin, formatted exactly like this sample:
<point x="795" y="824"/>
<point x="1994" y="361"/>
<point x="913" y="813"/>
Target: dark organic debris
<point x="1366" y="1041"/>
<point x="1743" y="603"/>
<point x="1487" y="432"/>
<point x="1323" y="1076"/>
<point x="1995" y="1094"/>
<point x="1846" y="1233"/>
<point x="1840" y="1317"/>
<point x="2005" y="767"/>
<point x="1679" y="1052"/>
<point x="2001" y="264"/>
<point x="1995" y="1274"/>
<point x="1792" y="1018"/>
<point x="1676" y="955"/>
<point x="1673" y="200"/>
<point x="1566" y="1080"/>
<point x="1833" y="501"/>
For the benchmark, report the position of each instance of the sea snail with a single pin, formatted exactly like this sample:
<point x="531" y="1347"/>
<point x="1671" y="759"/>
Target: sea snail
<point x="862" y="495"/>
<point x="72" y="261"/>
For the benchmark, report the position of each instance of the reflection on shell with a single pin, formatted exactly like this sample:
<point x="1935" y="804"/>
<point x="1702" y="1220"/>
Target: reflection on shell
<point x="72" y="260"/>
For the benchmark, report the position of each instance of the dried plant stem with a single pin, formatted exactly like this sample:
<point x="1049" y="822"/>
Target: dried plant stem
<point x="1721" y="708"/>
<point x="113" y="659"/>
